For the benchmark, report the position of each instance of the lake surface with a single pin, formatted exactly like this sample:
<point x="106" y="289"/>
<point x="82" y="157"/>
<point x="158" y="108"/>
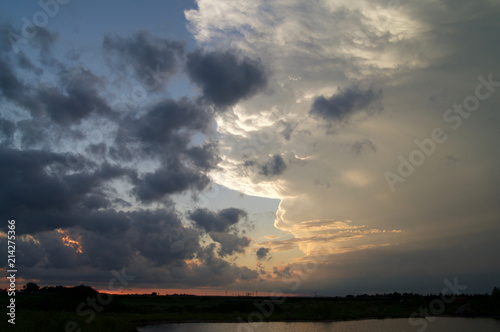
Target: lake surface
<point x="439" y="324"/>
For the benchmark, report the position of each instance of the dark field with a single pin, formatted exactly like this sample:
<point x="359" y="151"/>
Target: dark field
<point x="95" y="312"/>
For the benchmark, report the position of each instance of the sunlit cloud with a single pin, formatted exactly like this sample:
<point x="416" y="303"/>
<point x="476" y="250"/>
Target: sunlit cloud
<point x="71" y="242"/>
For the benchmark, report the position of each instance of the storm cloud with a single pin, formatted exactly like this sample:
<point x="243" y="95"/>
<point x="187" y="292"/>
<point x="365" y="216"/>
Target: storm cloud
<point x="262" y="253"/>
<point x="340" y="106"/>
<point x="153" y="60"/>
<point x="171" y="177"/>
<point x="219" y="221"/>
<point x="222" y="227"/>
<point x="167" y="118"/>
<point x="68" y="151"/>
<point x="339" y="70"/>
<point x="363" y="146"/>
<point x="76" y="101"/>
<point x="276" y="166"/>
<point x="230" y="243"/>
<point x="38" y="182"/>
<point x="187" y="145"/>
<point x="224" y="77"/>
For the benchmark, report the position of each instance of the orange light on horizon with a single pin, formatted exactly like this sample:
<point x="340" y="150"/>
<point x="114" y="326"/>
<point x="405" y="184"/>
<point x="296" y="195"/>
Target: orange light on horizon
<point x="195" y="291"/>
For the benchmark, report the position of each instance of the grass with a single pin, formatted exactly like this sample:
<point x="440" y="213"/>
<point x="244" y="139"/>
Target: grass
<point x="53" y="312"/>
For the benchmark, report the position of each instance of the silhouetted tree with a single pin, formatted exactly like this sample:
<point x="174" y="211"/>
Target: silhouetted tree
<point x="81" y="291"/>
<point x="31" y="287"/>
<point x="495" y="294"/>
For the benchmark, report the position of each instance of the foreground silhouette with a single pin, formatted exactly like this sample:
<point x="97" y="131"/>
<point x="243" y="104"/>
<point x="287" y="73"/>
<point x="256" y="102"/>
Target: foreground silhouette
<point x="82" y="308"/>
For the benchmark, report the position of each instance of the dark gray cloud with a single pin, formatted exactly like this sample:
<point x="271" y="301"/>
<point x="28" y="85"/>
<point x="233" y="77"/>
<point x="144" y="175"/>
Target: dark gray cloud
<point x="40" y="37"/>
<point x="224" y="77"/>
<point x="67" y="204"/>
<point x="35" y="133"/>
<point x="12" y="88"/>
<point x="205" y="157"/>
<point x="339" y="107"/>
<point x="165" y="119"/>
<point x="45" y="39"/>
<point x="172" y="177"/>
<point x="98" y="149"/>
<point x="160" y="237"/>
<point x="153" y="60"/>
<point x="30" y="253"/>
<point x="164" y="132"/>
<point x="151" y="244"/>
<point x="76" y="100"/>
<point x="283" y="272"/>
<point x="363" y="146"/>
<point x="262" y="253"/>
<point x="230" y="243"/>
<point x="41" y="189"/>
<point x="289" y="128"/>
<point x="107" y="222"/>
<point x="220" y="221"/>
<point x="217" y="271"/>
<point x="108" y="239"/>
<point x="222" y="227"/>
<point x="7" y="129"/>
<point x="23" y="171"/>
<point x="276" y="166"/>
<point x="25" y="63"/>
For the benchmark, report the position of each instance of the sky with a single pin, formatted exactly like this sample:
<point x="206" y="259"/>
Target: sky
<point x="323" y="147"/>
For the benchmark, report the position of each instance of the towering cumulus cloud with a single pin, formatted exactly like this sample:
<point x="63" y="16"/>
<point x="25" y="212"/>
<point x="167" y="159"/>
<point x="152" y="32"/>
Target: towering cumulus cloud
<point x="353" y="85"/>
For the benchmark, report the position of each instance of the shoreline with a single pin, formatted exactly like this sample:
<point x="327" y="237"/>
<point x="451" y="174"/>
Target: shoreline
<point x="210" y="321"/>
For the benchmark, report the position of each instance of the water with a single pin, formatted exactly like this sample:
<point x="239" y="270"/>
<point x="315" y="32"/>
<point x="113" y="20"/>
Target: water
<point x="440" y="324"/>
